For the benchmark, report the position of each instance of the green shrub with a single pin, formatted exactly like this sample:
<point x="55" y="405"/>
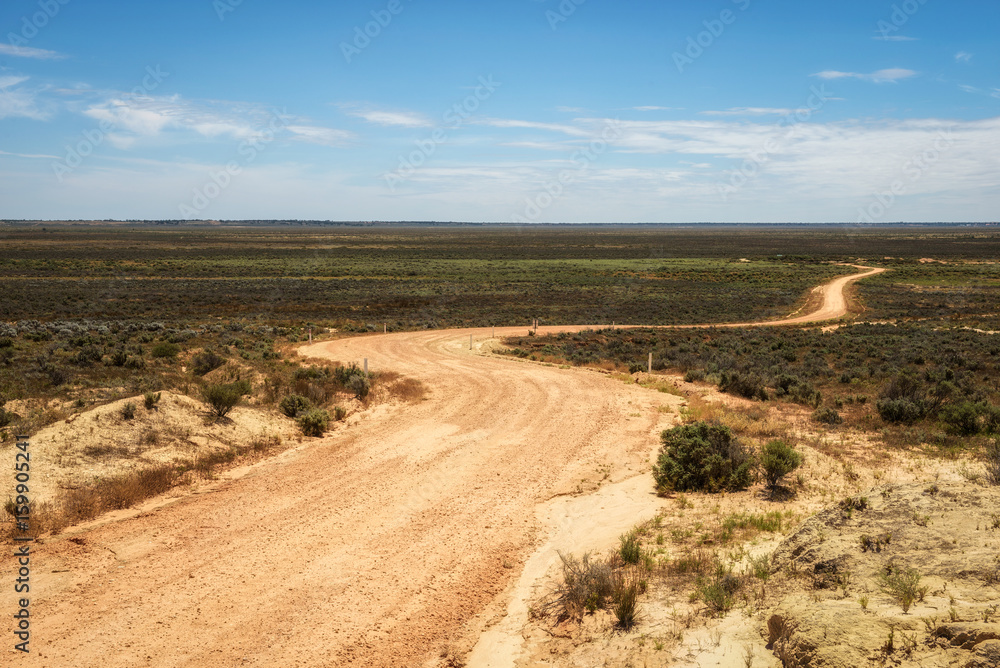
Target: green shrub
<point x="135" y="363"/>
<point x="963" y="418"/>
<point x="315" y="422"/>
<point x="778" y="459"/>
<point x="626" y="587"/>
<point x="150" y="399"/>
<point x="900" y="410"/>
<point x="128" y="411"/>
<point x="117" y="358"/>
<point x="360" y="386"/>
<point x="903" y="584"/>
<point x="630" y="549"/>
<point x="166" y="350"/>
<point x="702" y="456"/>
<point x="339" y="413"/>
<point x="827" y="416"/>
<point x="902" y="400"/>
<point x="719" y="590"/>
<point x="206" y="361"/>
<point x="224" y="397"/>
<point x="294" y="405"/>
<point x="746" y="385"/>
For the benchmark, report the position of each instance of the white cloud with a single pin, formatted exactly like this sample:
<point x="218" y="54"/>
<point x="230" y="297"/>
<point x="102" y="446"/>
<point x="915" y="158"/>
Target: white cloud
<point x="754" y="111"/>
<point x="321" y="136"/>
<point x="894" y="38"/>
<point x="8" y="81"/>
<point x="532" y="125"/>
<point x="19" y="102"/>
<point x="392" y="118"/>
<point x="963" y="57"/>
<point x="655" y="108"/>
<point x="570" y="110"/>
<point x="151" y="116"/>
<point x="891" y="75"/>
<point x="31" y="155"/>
<point x="29" y="52"/>
<point x="968" y="89"/>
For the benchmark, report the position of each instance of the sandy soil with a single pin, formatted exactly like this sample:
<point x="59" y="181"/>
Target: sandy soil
<point x="394" y="543"/>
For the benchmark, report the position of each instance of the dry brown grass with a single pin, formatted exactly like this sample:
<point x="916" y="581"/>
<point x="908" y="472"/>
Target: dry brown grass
<point x="124" y="490"/>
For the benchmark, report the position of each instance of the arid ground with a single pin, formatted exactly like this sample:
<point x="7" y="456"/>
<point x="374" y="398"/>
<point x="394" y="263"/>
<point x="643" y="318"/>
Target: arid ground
<point x="416" y="537"/>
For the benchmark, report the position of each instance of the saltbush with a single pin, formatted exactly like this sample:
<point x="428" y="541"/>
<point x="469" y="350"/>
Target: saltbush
<point x="294" y="405"/>
<point x="778" y="459"/>
<point x="703" y="456"/>
<point x="224" y="397"/>
<point x="315" y="422"/>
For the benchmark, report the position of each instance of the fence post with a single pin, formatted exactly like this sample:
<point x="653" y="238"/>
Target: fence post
<point x="366" y="366"/>
<point x="470" y="341"/>
<point x="650" y="362"/>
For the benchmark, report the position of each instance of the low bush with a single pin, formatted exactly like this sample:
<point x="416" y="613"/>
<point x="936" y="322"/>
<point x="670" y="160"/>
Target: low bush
<point x="777" y="459"/>
<point x="746" y="385"/>
<point x="294" y="405"/>
<point x="703" y="456"/>
<point x="165" y="350"/>
<point x="224" y="397"/>
<point x="827" y="416"/>
<point x="718" y="591"/>
<point x="127" y="411"/>
<point x="360" y="386"/>
<point x="206" y="361"/>
<point x="964" y="418"/>
<point x="630" y="549"/>
<point x="587" y="586"/>
<point x="315" y="422"/>
<point x="150" y="400"/>
<point x="902" y="583"/>
<point x="339" y="413"/>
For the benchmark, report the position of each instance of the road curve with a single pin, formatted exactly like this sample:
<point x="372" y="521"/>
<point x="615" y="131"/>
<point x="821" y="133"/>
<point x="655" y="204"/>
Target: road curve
<point x="382" y="545"/>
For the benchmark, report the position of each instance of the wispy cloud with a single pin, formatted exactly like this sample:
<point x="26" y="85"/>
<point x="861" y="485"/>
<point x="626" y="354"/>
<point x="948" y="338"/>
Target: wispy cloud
<point x="20" y="102"/>
<point x="30" y="155"/>
<point x="320" y="135"/>
<point x="894" y="38"/>
<point x="754" y="111"/>
<point x="963" y="57"/>
<point x="654" y="108"/>
<point x="403" y="119"/>
<point x="29" y="52"/>
<point x="891" y="75"/>
<point x="10" y="80"/>
<point x="968" y="89"/>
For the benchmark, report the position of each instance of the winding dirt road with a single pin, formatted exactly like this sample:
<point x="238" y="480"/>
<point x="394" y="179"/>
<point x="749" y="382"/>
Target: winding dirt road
<point x="392" y="543"/>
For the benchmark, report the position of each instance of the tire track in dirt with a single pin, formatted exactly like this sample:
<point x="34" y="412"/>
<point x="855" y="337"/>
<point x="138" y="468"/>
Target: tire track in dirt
<point x="374" y="547"/>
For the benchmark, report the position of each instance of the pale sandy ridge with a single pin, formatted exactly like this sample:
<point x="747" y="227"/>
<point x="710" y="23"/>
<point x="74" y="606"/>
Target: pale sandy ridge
<point x="374" y="548"/>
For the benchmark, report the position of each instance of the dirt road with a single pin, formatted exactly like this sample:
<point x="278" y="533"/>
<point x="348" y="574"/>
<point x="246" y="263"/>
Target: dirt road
<point x="383" y="546"/>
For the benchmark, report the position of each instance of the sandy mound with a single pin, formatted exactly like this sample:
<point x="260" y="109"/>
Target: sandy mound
<point x="835" y="566"/>
<point x="101" y="441"/>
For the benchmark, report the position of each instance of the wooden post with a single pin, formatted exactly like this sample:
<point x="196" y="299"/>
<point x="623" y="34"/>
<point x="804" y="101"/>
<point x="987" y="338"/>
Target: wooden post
<point x="385" y="328"/>
<point x="650" y="362"/>
<point x="494" y="335"/>
<point x="470" y="341"/>
<point x="366" y="366"/>
<point x="310" y="335"/>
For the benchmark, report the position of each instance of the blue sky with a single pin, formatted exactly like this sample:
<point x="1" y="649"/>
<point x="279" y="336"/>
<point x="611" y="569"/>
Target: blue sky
<point x="501" y="110"/>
